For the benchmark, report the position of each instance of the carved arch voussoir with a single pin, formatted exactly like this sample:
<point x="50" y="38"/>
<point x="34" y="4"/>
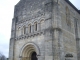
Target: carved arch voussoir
<point x="33" y="45"/>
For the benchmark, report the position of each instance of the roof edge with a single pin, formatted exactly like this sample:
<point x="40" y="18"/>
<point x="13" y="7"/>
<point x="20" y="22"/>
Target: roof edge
<point x="72" y="6"/>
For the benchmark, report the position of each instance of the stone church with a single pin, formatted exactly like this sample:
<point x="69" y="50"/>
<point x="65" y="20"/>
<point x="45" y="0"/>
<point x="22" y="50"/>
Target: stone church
<point x="45" y="30"/>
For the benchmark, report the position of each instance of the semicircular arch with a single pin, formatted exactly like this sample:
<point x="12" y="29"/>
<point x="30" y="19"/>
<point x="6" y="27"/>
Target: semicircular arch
<point x="28" y="48"/>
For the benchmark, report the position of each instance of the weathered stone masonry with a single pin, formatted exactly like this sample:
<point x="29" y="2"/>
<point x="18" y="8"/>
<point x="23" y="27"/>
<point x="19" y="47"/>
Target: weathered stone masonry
<point x="45" y="30"/>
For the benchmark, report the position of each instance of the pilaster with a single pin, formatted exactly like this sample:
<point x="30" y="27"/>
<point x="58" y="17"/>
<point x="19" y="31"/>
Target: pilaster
<point x="78" y="48"/>
<point x="32" y="29"/>
<point x="26" y="30"/>
<point x="47" y="31"/>
<point x="12" y="40"/>
<point x="76" y="25"/>
<point x="57" y="35"/>
<point x="11" y="49"/>
<point x="38" y="27"/>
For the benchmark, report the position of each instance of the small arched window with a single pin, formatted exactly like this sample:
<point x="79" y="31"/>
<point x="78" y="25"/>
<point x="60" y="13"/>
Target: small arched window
<point x="24" y="30"/>
<point x="68" y="16"/>
<point x="35" y="26"/>
<point x="29" y="28"/>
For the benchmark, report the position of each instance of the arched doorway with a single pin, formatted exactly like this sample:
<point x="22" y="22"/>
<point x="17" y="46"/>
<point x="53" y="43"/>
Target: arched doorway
<point x="29" y="52"/>
<point x="34" y="56"/>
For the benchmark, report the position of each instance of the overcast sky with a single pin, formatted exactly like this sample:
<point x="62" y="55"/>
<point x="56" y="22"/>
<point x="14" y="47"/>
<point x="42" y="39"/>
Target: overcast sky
<point x="6" y="15"/>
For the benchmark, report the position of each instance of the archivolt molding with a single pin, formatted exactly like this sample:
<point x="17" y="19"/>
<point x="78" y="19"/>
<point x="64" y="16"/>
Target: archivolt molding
<point x="29" y="48"/>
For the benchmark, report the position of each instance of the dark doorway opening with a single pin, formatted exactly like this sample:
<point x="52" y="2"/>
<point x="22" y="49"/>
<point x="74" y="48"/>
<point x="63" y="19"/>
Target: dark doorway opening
<point x="33" y="56"/>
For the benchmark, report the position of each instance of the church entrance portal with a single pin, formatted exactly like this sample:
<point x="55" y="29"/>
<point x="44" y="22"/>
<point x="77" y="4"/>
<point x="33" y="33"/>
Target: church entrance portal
<point x="29" y="52"/>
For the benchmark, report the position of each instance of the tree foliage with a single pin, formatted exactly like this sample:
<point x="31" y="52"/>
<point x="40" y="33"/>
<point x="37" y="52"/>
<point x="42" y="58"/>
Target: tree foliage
<point x="2" y="57"/>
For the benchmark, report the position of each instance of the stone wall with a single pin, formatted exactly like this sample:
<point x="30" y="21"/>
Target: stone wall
<point x="56" y="32"/>
<point x="69" y="31"/>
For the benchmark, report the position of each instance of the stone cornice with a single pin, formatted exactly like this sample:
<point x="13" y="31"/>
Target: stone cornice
<point x="53" y="29"/>
<point x="29" y="35"/>
<point x="58" y="29"/>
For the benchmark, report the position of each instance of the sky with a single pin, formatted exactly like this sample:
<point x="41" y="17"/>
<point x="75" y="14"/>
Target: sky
<point x="6" y="15"/>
